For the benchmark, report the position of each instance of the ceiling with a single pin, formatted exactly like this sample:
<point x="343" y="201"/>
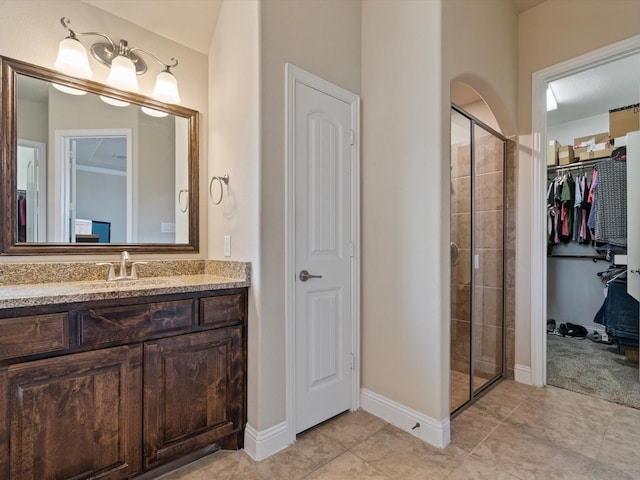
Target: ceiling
<point x="597" y="90"/>
<point x="168" y="18"/>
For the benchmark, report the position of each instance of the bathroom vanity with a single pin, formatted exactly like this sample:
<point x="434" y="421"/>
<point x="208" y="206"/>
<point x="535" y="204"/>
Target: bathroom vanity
<point x="102" y="381"/>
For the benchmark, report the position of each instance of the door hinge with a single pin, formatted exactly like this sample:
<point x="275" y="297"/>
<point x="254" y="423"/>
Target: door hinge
<point x="351" y="249"/>
<point x="353" y="361"/>
<point x="352" y="139"/>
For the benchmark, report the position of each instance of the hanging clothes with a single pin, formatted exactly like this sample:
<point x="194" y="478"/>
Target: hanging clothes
<point x="611" y="215"/>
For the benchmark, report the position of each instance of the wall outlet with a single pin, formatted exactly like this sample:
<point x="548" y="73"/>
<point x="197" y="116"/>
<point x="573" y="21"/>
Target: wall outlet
<point x="227" y="245"/>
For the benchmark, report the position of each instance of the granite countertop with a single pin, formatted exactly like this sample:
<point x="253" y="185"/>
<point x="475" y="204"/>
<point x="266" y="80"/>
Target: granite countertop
<point x="29" y="295"/>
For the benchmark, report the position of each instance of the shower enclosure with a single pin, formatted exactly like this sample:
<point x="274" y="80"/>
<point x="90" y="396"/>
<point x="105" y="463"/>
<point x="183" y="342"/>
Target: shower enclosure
<point x="477" y="258"/>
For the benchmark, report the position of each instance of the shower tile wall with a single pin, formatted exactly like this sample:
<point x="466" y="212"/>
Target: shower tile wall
<point x="489" y="281"/>
<point x="460" y="269"/>
<point x="488" y="236"/>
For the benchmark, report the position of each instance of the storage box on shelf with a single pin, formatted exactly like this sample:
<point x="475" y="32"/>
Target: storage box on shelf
<point x="624" y="120"/>
<point x="565" y="155"/>
<point x="552" y="153"/>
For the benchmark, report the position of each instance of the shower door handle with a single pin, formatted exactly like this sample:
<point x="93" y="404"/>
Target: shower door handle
<point x="455" y="252"/>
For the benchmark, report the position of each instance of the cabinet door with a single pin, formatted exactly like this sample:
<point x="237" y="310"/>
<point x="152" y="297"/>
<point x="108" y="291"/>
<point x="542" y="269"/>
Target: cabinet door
<point x="194" y="392"/>
<point x="76" y="416"/>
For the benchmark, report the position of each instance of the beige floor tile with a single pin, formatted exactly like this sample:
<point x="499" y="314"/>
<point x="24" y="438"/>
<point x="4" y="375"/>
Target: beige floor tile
<point x="351" y="428"/>
<point x="565" y="402"/>
<point x="311" y="450"/>
<point x="404" y="457"/>
<point x="529" y="458"/>
<point x="504" y="398"/>
<point x="574" y="432"/>
<point x="625" y="425"/>
<point x="347" y="466"/>
<point x="470" y="427"/>
<point x="621" y="453"/>
<point x="223" y="465"/>
<point x="474" y="469"/>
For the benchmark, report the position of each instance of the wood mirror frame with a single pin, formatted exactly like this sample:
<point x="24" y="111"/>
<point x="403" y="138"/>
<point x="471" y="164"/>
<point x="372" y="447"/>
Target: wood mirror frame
<point x="9" y="244"/>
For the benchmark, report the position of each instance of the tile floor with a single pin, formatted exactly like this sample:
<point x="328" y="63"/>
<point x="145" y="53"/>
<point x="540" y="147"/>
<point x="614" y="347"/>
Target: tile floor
<point x="513" y="432"/>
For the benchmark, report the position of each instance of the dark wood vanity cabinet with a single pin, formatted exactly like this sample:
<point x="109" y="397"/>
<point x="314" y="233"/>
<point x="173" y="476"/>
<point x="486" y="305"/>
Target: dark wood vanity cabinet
<point x="113" y="401"/>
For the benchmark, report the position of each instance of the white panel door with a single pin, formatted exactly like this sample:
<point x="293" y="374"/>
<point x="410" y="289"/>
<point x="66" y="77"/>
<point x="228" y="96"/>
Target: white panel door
<point x="323" y="143"/>
<point x="633" y="220"/>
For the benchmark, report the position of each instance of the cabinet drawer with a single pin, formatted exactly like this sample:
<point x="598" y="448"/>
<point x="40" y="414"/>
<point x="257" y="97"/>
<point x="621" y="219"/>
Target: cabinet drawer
<point x="222" y="310"/>
<point x="105" y="325"/>
<point x="23" y="336"/>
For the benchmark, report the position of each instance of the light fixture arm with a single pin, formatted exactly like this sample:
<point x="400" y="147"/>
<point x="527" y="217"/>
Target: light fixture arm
<point x="166" y="66"/>
<point x="65" y="22"/>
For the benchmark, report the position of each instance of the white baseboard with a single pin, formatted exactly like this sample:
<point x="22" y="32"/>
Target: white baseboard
<point x="522" y="374"/>
<point x="432" y="431"/>
<point x="262" y="444"/>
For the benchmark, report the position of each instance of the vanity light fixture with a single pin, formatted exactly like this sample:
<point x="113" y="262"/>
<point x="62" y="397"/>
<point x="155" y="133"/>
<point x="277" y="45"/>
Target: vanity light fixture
<point x="123" y="62"/>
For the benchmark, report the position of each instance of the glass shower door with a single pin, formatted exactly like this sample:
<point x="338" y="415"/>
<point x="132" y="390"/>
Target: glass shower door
<point x="477" y="258"/>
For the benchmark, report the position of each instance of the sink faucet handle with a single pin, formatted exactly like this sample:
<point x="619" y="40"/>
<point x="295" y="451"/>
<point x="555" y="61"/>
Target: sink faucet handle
<point x="112" y="274"/>
<point x="134" y="272"/>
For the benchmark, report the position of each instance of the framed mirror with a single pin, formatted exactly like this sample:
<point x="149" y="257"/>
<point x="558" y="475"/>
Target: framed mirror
<point x="90" y="169"/>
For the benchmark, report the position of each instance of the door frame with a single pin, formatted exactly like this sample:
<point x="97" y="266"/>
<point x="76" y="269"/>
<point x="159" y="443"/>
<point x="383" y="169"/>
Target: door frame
<point x="537" y="171"/>
<point x="295" y="75"/>
<point x="62" y="182"/>
<point x="41" y="178"/>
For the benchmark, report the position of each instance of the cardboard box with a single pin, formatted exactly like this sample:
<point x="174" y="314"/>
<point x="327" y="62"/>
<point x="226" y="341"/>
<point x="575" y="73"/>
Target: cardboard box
<point x="598" y="150"/>
<point x="589" y="140"/>
<point x="565" y="155"/>
<point x="552" y="153"/>
<point x="624" y="120"/>
<point x="593" y="155"/>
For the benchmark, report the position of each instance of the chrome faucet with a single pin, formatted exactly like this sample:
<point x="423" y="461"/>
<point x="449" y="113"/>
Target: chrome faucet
<point x="124" y="258"/>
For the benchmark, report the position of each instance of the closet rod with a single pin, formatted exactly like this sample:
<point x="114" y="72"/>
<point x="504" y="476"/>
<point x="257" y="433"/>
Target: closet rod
<point x="577" y="165"/>
<point x="595" y="258"/>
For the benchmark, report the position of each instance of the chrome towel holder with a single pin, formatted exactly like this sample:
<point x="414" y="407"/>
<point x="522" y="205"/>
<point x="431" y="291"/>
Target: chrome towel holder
<point x="223" y="179"/>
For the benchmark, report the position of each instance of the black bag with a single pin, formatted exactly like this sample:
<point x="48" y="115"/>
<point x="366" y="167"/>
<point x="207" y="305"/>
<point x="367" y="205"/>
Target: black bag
<point x="572" y="330"/>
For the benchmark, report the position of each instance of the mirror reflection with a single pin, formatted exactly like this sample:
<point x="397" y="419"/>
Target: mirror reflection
<point x="88" y="171"/>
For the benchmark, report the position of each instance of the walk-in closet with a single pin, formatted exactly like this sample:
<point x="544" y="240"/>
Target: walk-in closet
<point x="592" y="322"/>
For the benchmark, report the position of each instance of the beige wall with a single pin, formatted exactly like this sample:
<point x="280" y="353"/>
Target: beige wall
<point x="234" y="133"/>
<point x="555" y="31"/>
<point x="411" y="51"/>
<point x="322" y="37"/>
<point x="404" y="333"/>
<point x="550" y="33"/>
<point x="31" y="32"/>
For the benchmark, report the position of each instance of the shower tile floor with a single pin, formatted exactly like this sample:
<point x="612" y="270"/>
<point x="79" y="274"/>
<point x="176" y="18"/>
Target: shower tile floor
<point x="514" y="432"/>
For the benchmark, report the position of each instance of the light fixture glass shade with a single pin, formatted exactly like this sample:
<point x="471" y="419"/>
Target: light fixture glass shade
<point x="69" y="90"/>
<point x="153" y="113"/>
<point x="166" y="88"/>
<point x="114" y="101"/>
<point x="72" y="59"/>
<point x="123" y="74"/>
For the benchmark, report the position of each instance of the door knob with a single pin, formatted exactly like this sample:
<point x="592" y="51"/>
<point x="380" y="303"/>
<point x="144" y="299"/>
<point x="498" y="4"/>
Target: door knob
<point x="637" y="270"/>
<point x="304" y="276"/>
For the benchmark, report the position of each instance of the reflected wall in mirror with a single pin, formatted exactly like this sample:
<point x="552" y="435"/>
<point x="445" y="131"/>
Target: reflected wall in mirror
<point x="82" y="175"/>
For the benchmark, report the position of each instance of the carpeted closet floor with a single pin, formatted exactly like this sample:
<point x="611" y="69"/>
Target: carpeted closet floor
<point x="592" y="368"/>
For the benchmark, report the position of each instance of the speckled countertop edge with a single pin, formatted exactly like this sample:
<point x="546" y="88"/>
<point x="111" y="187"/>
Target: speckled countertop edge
<point x="30" y="295"/>
<point x="36" y="284"/>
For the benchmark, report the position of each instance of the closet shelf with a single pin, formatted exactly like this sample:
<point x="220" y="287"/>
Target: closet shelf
<point x="577" y="165"/>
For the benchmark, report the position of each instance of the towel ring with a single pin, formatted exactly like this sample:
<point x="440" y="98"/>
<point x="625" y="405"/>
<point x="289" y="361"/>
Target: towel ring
<point x="186" y="207"/>
<point x="224" y="179"/>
